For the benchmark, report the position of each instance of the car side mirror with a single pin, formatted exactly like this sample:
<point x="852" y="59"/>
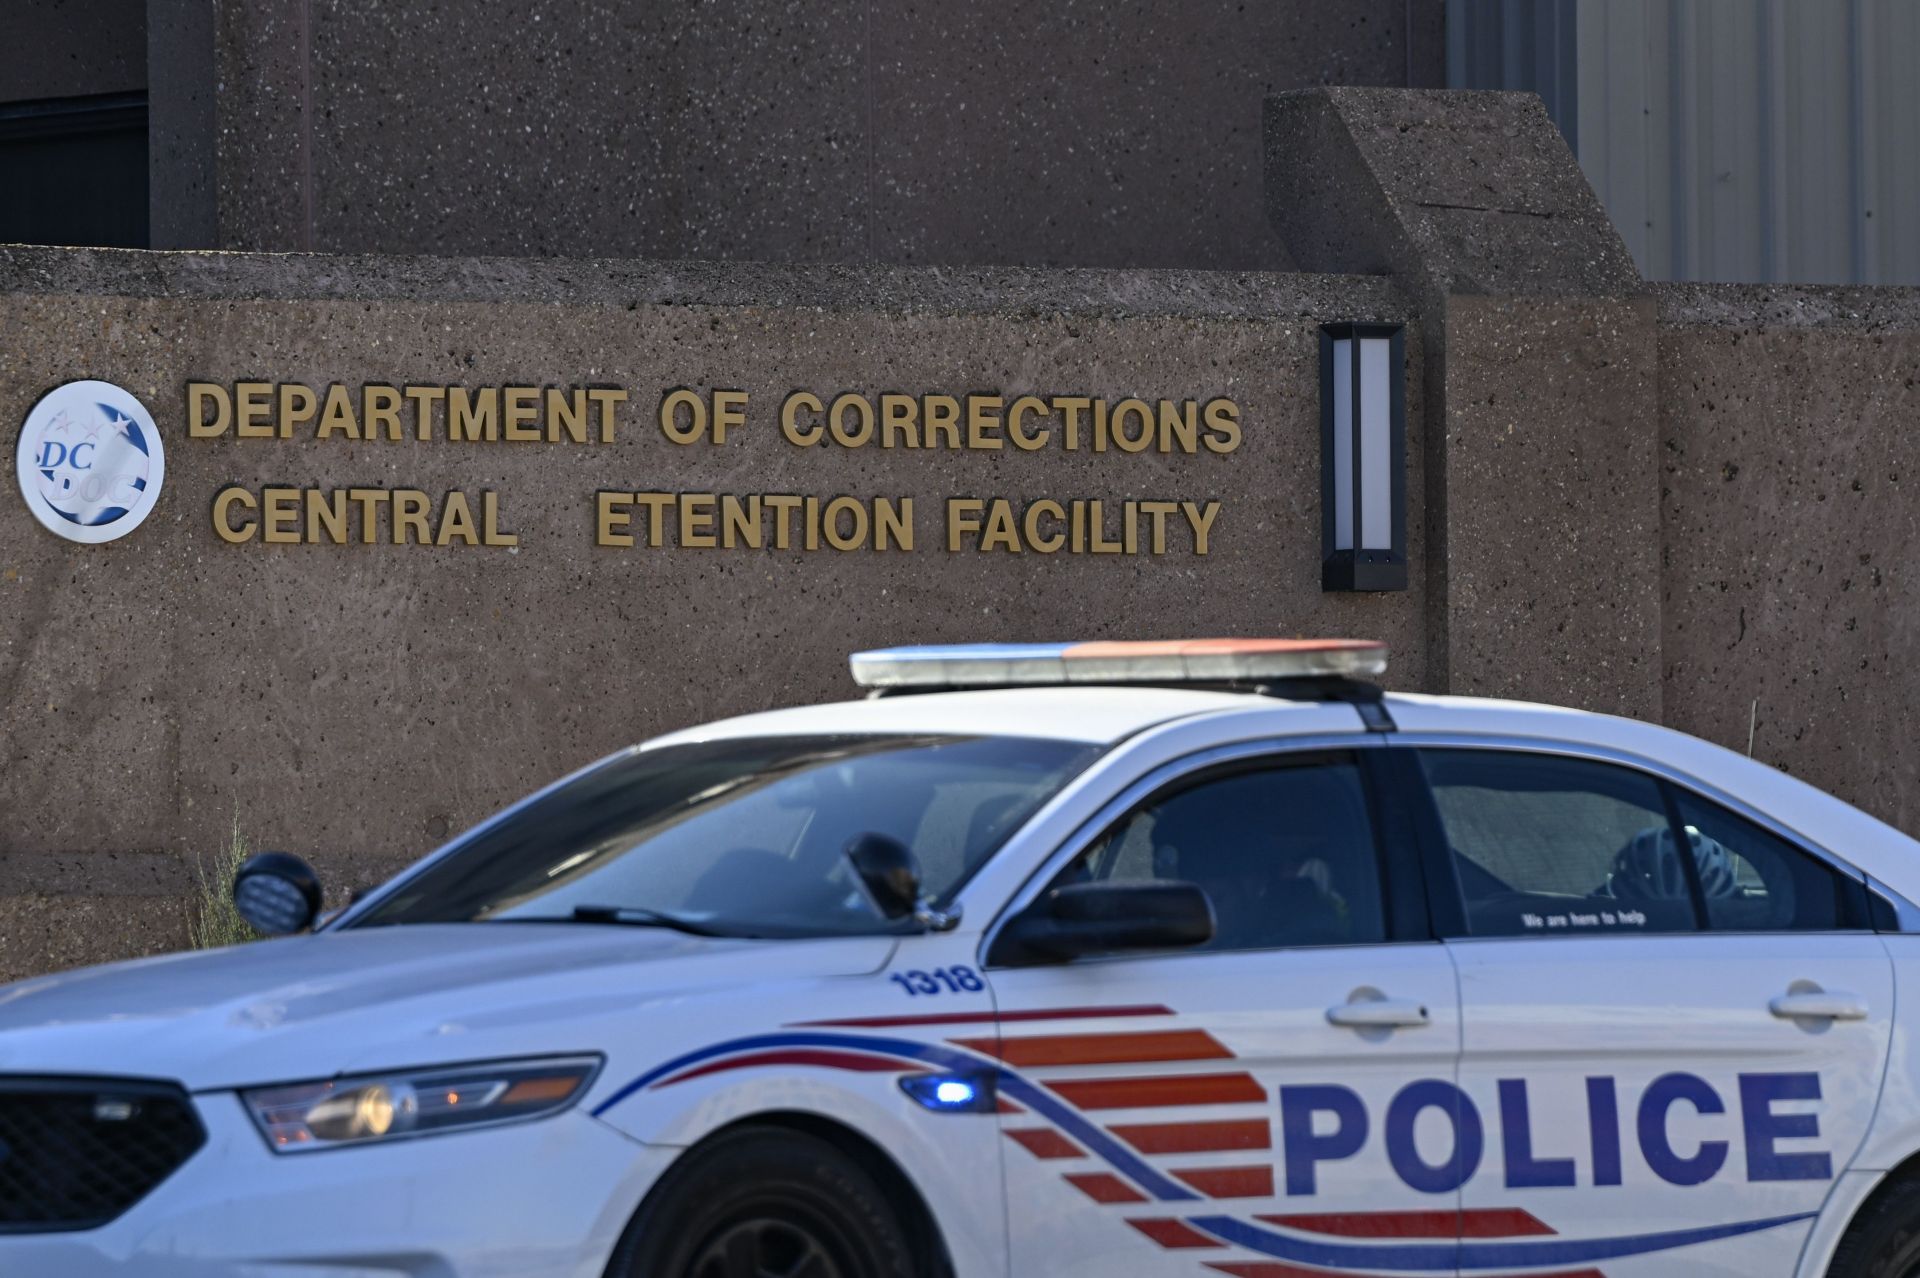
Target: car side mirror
<point x="888" y="872"/>
<point x="1100" y="918"/>
<point x="277" y="893"/>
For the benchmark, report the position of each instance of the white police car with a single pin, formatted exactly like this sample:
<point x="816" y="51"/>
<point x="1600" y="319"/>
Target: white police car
<point x="1244" y="969"/>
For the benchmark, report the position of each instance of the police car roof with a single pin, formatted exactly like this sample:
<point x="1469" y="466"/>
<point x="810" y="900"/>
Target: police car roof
<point x="1100" y="714"/>
<point x="1095" y="714"/>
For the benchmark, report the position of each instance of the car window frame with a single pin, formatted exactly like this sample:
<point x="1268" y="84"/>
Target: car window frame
<point x="1403" y="874"/>
<point x="1446" y="895"/>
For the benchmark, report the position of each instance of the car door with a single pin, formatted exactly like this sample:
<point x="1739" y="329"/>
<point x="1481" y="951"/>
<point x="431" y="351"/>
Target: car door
<point x="1230" y="1106"/>
<point x="1669" y="1057"/>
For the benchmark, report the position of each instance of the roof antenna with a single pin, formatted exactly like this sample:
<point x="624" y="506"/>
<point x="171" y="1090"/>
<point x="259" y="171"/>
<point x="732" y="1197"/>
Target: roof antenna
<point x="1753" y="717"/>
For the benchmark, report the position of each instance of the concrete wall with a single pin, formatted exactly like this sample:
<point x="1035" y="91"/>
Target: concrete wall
<point x="72" y="48"/>
<point x="1686" y="504"/>
<point x="1790" y="531"/>
<point x="984" y="133"/>
<point x="357" y="703"/>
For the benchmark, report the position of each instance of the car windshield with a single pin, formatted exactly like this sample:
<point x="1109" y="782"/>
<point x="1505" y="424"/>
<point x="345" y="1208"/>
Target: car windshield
<point x="742" y="837"/>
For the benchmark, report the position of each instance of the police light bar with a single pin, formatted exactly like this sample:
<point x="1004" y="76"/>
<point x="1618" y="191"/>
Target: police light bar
<point x="999" y="665"/>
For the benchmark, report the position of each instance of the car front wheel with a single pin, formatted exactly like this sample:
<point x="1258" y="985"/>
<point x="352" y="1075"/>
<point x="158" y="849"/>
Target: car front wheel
<point x="763" y="1202"/>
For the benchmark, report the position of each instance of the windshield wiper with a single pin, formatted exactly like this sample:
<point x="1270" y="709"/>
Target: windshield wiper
<point x="640" y="916"/>
<point x="626" y="915"/>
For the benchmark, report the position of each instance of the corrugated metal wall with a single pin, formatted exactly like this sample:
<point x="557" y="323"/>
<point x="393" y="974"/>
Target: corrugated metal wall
<point x="1732" y="140"/>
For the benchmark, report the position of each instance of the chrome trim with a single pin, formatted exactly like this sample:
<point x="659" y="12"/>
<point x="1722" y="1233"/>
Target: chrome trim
<point x="1640" y="762"/>
<point x="1117" y="806"/>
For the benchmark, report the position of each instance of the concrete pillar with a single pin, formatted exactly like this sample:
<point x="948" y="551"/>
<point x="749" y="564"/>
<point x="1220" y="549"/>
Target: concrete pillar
<point x="1542" y="502"/>
<point x="182" y="128"/>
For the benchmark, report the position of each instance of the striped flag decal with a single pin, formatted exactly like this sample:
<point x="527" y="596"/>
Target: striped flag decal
<point x="1196" y="1138"/>
<point x="1102" y="1049"/>
<point x="1159" y="1092"/>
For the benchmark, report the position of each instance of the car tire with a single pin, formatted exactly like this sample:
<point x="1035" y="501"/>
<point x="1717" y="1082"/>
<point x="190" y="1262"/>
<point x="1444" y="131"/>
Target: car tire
<point x="1884" y="1239"/>
<point x="762" y="1202"/>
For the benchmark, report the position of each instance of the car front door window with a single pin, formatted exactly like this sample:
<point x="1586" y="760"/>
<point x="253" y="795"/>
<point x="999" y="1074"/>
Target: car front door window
<point x="1286" y="856"/>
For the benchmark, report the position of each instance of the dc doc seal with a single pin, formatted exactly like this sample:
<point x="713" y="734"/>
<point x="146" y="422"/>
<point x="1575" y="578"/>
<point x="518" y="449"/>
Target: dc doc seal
<point x="90" y="462"/>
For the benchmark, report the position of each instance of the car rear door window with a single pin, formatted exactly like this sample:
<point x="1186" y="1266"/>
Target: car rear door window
<point x="1755" y="881"/>
<point x="1545" y="845"/>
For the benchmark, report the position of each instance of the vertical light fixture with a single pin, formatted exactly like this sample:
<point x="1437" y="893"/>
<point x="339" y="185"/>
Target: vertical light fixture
<point x="1363" y="457"/>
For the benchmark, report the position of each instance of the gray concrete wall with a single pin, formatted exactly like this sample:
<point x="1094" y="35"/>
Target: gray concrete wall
<point x="1540" y="368"/>
<point x="998" y="132"/>
<point x="357" y="703"/>
<point x="1682" y="503"/>
<point x="182" y="125"/>
<point x="1790" y="530"/>
<point x="72" y="48"/>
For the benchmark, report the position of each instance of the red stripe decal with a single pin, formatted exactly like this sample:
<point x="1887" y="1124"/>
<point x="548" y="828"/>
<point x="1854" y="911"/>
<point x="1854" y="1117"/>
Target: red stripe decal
<point x="1194" y="1138"/>
<point x="1001" y="1105"/>
<point x="976" y="1018"/>
<point x="1174" y="1233"/>
<point x="1504" y="1222"/>
<point x="1105" y="1188"/>
<point x="1044" y="1142"/>
<point x="1103" y="1049"/>
<point x="1230" y="1182"/>
<point x="1483" y="1223"/>
<point x="797" y="1056"/>
<point x="1170" y="1089"/>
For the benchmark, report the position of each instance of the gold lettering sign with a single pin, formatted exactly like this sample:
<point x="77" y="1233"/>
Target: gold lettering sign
<point x="806" y="420"/>
<point x="458" y="414"/>
<point x="373" y="516"/>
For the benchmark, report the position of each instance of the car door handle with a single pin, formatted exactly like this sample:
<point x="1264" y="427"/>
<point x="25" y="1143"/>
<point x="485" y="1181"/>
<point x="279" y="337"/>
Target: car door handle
<point x="1382" y="1013"/>
<point x="1828" y="1005"/>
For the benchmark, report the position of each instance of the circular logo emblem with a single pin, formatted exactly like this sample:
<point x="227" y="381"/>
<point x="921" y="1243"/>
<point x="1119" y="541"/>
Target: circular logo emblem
<point x="90" y="462"/>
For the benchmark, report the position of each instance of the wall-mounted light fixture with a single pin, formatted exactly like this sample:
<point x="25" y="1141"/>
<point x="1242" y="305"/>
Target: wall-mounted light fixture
<point x="1363" y="457"/>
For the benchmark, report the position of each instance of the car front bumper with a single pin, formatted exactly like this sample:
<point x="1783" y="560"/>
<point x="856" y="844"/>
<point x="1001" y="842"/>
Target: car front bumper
<point x="548" y="1197"/>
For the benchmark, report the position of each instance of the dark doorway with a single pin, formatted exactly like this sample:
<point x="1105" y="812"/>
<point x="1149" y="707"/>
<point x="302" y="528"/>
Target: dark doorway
<point x="74" y="171"/>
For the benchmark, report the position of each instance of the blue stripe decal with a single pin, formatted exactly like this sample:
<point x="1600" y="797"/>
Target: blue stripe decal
<point x="1445" y="1257"/>
<point x="940" y="1057"/>
<point x="925" y="1053"/>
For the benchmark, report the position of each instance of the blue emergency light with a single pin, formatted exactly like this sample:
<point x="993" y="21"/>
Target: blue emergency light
<point x="952" y="1093"/>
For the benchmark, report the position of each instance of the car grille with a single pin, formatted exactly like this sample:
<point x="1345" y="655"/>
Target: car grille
<point x="75" y="1153"/>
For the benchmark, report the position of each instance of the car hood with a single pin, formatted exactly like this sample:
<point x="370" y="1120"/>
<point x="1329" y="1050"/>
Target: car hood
<point x="379" y="998"/>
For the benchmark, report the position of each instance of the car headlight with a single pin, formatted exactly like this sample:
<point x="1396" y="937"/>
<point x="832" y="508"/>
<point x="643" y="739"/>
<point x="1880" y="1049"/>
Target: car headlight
<point x="415" y="1102"/>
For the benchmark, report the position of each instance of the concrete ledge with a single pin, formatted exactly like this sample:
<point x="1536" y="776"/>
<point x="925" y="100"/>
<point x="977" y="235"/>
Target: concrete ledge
<point x="1789" y="306"/>
<point x="41" y="933"/>
<point x="138" y="874"/>
<point x="628" y="282"/>
<point x="1471" y="192"/>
